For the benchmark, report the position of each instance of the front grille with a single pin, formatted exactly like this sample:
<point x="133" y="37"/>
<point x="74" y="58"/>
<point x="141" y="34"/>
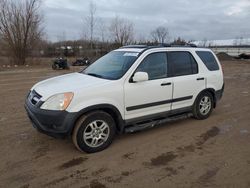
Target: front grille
<point x="34" y="97"/>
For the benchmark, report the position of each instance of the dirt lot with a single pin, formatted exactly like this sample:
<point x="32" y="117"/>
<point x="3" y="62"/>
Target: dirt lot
<point x="187" y="153"/>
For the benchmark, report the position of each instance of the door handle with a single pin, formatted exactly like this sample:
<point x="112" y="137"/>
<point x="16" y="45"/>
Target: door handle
<point x="200" y="78"/>
<point x="166" y="84"/>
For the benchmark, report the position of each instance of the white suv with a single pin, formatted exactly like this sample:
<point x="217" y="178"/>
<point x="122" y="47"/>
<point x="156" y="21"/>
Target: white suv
<point x="129" y="89"/>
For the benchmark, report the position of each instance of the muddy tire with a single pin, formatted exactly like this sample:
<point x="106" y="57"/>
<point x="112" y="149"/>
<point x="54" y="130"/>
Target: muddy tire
<point x="94" y="132"/>
<point x="54" y="67"/>
<point x="203" y="105"/>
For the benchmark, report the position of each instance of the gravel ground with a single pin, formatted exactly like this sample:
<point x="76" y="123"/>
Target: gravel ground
<point x="185" y="153"/>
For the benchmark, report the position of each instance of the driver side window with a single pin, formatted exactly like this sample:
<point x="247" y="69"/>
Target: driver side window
<point x="155" y="65"/>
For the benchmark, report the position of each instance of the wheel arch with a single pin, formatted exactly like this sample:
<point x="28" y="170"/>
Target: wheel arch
<point x="210" y="90"/>
<point x="108" y="108"/>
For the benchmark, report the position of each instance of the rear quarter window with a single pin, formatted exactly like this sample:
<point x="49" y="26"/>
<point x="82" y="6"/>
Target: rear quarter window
<point x="208" y="59"/>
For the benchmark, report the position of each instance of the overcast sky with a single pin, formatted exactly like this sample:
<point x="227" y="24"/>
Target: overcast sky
<point x="189" y="19"/>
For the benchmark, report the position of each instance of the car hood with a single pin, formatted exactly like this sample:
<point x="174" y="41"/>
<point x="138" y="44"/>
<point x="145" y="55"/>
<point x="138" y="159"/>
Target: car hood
<point x="67" y="83"/>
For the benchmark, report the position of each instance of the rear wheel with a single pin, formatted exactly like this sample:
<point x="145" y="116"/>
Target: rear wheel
<point x="94" y="132"/>
<point x="203" y="105"/>
<point x="54" y="66"/>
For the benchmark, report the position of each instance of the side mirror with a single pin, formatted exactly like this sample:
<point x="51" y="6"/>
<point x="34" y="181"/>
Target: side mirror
<point x="140" y="77"/>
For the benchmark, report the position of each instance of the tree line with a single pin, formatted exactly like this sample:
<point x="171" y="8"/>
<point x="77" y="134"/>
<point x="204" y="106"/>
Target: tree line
<point x="22" y="33"/>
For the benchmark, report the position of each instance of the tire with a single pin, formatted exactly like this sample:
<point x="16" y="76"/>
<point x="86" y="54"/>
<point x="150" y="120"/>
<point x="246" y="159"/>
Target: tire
<point x="203" y="105"/>
<point x="94" y="132"/>
<point x="54" y="67"/>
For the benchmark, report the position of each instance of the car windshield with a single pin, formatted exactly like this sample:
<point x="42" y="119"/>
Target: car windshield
<point x="113" y="65"/>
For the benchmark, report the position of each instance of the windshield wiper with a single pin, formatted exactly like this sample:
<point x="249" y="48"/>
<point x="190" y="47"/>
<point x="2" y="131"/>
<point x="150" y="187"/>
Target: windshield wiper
<point x="95" y="75"/>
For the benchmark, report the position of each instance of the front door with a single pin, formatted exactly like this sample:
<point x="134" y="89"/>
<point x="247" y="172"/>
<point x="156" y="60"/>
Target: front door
<point x="152" y="96"/>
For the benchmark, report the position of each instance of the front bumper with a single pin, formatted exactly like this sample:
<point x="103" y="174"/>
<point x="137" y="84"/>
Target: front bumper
<point x="50" y="122"/>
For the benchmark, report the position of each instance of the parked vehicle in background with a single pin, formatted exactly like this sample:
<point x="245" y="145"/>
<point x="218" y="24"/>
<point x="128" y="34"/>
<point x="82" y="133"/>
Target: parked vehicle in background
<point x="243" y="56"/>
<point x="81" y="62"/>
<point x="60" y="63"/>
<point x="127" y="90"/>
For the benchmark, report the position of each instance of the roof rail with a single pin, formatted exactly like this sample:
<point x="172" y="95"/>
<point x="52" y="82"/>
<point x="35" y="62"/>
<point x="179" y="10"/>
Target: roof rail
<point x="192" y="45"/>
<point x="135" y="46"/>
<point x="164" y="45"/>
<point x="159" y="46"/>
<point x="176" y="45"/>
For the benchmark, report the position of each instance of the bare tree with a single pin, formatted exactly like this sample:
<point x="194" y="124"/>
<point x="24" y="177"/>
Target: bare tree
<point x="141" y="39"/>
<point x="102" y="29"/>
<point x="179" y="41"/>
<point x="204" y="42"/>
<point x="91" y="21"/>
<point x="20" y="26"/>
<point x="61" y="38"/>
<point x="122" y="30"/>
<point x="235" y="41"/>
<point x="160" y="34"/>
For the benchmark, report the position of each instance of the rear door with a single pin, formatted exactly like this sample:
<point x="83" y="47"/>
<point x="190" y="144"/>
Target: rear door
<point x="187" y="81"/>
<point x="152" y="96"/>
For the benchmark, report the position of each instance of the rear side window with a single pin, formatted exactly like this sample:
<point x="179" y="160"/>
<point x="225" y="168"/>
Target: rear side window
<point x="208" y="59"/>
<point x="182" y="63"/>
<point x="155" y="65"/>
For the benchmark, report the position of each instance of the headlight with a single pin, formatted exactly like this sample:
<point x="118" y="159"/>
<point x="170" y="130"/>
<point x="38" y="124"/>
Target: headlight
<point x="58" y="102"/>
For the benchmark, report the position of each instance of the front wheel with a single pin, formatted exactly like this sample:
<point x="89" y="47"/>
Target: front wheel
<point x="54" y="66"/>
<point x="94" y="132"/>
<point x="203" y="106"/>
